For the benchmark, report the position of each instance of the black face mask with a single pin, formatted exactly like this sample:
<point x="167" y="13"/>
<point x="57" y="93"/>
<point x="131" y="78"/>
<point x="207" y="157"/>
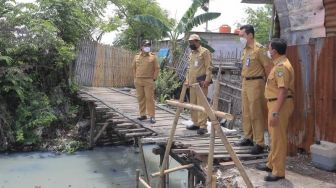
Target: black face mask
<point x="192" y="46"/>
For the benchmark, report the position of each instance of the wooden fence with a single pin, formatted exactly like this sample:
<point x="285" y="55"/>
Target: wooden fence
<point x="100" y="65"/>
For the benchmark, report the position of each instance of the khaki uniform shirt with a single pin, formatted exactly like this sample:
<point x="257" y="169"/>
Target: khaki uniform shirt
<point x="199" y="64"/>
<point x="145" y="65"/>
<point x="254" y="60"/>
<point x="281" y="75"/>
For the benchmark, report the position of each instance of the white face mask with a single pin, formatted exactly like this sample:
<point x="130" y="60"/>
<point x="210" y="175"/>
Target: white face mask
<point x="243" y="41"/>
<point x="146" y="49"/>
<point x="269" y="55"/>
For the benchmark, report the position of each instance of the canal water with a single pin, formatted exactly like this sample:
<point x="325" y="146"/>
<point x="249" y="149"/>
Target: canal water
<point x="107" y="167"/>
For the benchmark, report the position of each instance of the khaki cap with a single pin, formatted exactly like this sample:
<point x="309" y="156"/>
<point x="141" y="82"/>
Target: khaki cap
<point x="194" y="37"/>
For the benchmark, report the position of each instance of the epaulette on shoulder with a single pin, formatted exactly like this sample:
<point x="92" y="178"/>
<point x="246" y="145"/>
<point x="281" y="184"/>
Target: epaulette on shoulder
<point x="259" y="45"/>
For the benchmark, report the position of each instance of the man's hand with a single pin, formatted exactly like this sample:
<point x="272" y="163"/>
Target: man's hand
<point x="205" y="84"/>
<point x="273" y="120"/>
<point x="186" y="83"/>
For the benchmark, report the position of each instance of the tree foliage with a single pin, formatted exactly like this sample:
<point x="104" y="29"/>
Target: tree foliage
<point x="37" y="46"/>
<point x="132" y="32"/>
<point x="260" y="18"/>
<point x="185" y="25"/>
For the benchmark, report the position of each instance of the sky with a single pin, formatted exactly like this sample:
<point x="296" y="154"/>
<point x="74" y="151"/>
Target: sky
<point x="232" y="12"/>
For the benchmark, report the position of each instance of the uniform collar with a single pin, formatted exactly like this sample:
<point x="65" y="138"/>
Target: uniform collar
<point x="280" y="59"/>
<point x="252" y="46"/>
<point x="144" y="53"/>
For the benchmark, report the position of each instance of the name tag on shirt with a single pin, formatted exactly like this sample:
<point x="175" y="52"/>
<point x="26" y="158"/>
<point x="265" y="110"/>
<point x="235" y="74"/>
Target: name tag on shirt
<point x="248" y="61"/>
<point x="196" y="63"/>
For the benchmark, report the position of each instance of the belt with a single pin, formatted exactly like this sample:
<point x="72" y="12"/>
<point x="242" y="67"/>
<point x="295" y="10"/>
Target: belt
<point x="274" y="99"/>
<point x="254" y="78"/>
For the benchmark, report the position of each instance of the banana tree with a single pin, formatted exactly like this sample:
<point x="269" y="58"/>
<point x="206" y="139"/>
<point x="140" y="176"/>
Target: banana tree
<point x="185" y="25"/>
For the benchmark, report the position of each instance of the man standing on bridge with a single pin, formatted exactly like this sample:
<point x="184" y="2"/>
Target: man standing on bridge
<point x="145" y="70"/>
<point x="256" y="66"/>
<point x="200" y="68"/>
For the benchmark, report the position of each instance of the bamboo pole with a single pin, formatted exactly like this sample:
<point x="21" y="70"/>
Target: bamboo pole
<point x="212" y="135"/>
<point x="198" y="108"/>
<point x="223" y="137"/>
<point x="172" y="133"/>
<point x="143" y="160"/>
<point x="173" y="169"/>
<point x="143" y="182"/>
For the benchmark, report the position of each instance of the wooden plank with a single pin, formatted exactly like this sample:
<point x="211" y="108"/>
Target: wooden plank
<point x="249" y="162"/>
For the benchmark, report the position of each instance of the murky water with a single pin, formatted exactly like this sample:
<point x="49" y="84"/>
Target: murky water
<point x="109" y="167"/>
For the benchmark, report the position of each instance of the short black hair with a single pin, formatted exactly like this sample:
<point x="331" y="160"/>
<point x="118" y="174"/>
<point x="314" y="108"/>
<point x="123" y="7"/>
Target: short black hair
<point x="145" y="43"/>
<point x="280" y="45"/>
<point x="248" y="29"/>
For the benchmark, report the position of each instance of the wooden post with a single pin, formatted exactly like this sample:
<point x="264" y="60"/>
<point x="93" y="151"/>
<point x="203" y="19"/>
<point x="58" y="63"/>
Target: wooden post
<point x="137" y="178"/>
<point x="191" y="179"/>
<point x="143" y="160"/>
<point x="162" y="182"/>
<point x="213" y="181"/>
<point x="92" y="110"/>
<point x="220" y="133"/>
<point x="172" y="133"/>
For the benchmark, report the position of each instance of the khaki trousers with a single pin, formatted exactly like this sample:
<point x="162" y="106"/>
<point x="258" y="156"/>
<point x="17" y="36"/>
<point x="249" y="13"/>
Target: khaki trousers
<point x="145" y="94"/>
<point x="199" y="118"/>
<point x="253" y="107"/>
<point x="278" y="133"/>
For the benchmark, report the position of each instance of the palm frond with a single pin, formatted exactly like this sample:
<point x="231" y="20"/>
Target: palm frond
<point x="153" y="21"/>
<point x="200" y="19"/>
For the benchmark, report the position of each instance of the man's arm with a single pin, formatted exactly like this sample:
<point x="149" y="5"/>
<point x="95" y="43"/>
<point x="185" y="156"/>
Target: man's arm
<point x="265" y="61"/>
<point x="156" y="68"/>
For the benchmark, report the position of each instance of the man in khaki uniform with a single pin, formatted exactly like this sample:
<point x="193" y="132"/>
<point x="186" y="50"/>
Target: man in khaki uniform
<point x="145" y="71"/>
<point x="256" y="66"/>
<point x="200" y="67"/>
<point x="279" y="94"/>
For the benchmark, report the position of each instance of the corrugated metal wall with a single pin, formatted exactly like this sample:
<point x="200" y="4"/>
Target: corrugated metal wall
<point x="330" y="17"/>
<point x="314" y="116"/>
<point x="100" y="65"/>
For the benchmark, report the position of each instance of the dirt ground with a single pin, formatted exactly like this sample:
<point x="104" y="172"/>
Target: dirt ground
<point x="300" y="173"/>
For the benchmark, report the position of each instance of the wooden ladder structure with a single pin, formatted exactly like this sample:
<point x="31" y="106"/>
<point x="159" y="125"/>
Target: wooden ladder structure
<point x="215" y="130"/>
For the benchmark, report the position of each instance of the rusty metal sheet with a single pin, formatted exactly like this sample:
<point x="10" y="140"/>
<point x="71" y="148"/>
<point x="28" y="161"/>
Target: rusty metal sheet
<point x="314" y="116"/>
<point x="330" y="17"/>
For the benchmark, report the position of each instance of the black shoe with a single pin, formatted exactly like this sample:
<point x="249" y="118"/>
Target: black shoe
<point x="273" y="178"/>
<point x="152" y="120"/>
<point x="257" y="149"/>
<point x="263" y="167"/>
<point x="192" y="127"/>
<point x="202" y="131"/>
<point x="142" y="118"/>
<point x="244" y="142"/>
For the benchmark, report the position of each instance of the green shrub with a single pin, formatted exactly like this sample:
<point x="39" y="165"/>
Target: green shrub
<point x="166" y="85"/>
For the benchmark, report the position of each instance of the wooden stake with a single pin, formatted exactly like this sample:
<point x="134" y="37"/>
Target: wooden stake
<point x="172" y="133"/>
<point x="92" y="122"/>
<point x="220" y="133"/>
<point x="137" y="178"/>
<point x="213" y="181"/>
<point x="191" y="179"/>
<point x="143" y="160"/>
